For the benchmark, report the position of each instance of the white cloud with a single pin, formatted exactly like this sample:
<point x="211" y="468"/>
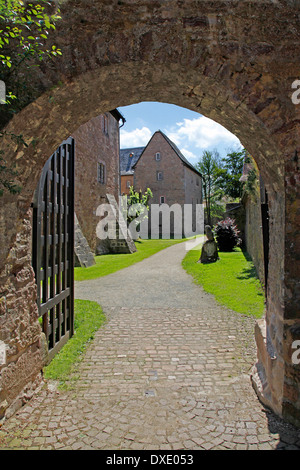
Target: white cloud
<point x="193" y="136"/>
<point x="204" y="132"/>
<point x="135" y="138"/>
<point x="189" y="155"/>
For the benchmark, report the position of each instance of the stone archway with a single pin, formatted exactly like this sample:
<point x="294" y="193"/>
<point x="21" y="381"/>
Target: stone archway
<point x="234" y="63"/>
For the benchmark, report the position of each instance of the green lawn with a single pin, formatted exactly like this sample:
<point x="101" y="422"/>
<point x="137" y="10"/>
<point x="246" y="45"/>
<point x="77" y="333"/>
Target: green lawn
<point x="232" y="280"/>
<point x="107" y="264"/>
<point x="88" y="319"/>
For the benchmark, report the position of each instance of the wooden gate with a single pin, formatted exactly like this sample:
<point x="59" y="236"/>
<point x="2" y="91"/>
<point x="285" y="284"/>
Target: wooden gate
<point x="53" y="246"/>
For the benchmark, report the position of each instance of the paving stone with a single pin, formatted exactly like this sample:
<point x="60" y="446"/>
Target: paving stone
<point x="201" y="397"/>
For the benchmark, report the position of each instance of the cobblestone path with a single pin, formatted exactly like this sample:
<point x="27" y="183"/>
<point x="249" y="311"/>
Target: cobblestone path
<point x="169" y="370"/>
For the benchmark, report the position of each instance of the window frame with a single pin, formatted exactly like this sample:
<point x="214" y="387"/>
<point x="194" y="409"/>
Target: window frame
<point x="157" y="176"/>
<point x="105" y="124"/>
<point x="101" y="173"/>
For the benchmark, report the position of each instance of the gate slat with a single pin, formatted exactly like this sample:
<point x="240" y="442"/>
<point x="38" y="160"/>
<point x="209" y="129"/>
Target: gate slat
<point x="59" y="236"/>
<point x="53" y="246"/>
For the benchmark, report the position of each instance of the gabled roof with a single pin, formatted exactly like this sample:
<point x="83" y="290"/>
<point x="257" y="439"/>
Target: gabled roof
<point x="176" y="150"/>
<point x="180" y="155"/>
<point x="128" y="158"/>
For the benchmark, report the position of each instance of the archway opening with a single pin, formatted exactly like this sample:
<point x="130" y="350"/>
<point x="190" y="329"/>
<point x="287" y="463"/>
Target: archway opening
<point x="104" y="126"/>
<point x="51" y="126"/>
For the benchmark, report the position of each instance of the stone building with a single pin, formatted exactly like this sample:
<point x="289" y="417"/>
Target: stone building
<point x="97" y="146"/>
<point x="170" y="176"/>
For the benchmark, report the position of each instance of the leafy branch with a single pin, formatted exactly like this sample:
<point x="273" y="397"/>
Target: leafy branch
<point x="24" y="32"/>
<point x="25" y="28"/>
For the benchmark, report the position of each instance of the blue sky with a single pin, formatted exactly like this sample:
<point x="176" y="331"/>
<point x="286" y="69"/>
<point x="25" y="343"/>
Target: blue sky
<point x="190" y="131"/>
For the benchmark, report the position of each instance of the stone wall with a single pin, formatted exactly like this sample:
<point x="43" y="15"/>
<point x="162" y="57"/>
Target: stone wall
<point x="254" y="235"/>
<point x="178" y="184"/>
<point x="83" y="254"/>
<point x="20" y="332"/>
<point x="291" y="327"/>
<point x="247" y="216"/>
<point x="96" y="142"/>
<point x="192" y="187"/>
<point x="233" y="62"/>
<point x="145" y="172"/>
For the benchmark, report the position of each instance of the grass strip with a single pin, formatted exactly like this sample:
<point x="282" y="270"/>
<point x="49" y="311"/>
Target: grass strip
<point x="232" y="280"/>
<point x="89" y="317"/>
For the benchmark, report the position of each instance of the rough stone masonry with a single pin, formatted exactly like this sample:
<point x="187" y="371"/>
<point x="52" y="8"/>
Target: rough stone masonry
<point x="234" y="62"/>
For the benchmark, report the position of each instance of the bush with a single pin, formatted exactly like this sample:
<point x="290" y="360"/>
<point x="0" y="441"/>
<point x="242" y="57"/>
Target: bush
<point x="227" y="234"/>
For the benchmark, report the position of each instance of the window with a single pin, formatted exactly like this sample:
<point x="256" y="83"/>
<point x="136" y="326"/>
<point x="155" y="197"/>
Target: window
<point x="159" y="176"/>
<point x="101" y="173"/>
<point x="105" y="124"/>
<point x="157" y="156"/>
<point x="162" y="200"/>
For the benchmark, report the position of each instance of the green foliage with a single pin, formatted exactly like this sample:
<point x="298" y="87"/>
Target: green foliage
<point x="24" y="31"/>
<point x="232" y="281"/>
<point x="137" y="202"/>
<point x="227" y="234"/>
<point x="230" y="172"/>
<point x="137" y="207"/>
<point x="220" y="177"/>
<point x="209" y="165"/>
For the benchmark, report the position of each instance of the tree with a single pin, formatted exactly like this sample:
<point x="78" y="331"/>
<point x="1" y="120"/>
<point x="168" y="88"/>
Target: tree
<point x="24" y="30"/>
<point x="229" y="174"/>
<point x="209" y="165"/>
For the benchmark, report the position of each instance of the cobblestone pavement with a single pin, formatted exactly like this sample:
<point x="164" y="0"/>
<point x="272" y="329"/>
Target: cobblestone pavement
<point x="169" y="370"/>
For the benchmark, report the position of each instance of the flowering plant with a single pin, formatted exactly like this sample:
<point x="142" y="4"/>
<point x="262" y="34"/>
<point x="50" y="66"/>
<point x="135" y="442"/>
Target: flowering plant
<point x="227" y="234"/>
